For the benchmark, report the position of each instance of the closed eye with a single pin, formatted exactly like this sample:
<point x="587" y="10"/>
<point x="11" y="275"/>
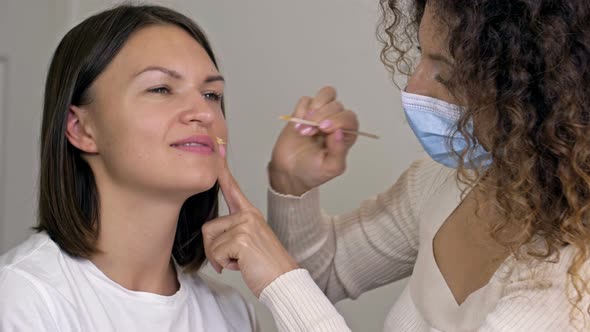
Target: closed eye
<point x="441" y="80"/>
<point x="160" y="90"/>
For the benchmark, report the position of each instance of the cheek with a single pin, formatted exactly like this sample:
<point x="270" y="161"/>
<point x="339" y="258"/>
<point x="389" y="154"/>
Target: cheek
<point x="423" y="82"/>
<point x="108" y="132"/>
<point x="145" y="139"/>
<point x="220" y="127"/>
<point x="124" y="135"/>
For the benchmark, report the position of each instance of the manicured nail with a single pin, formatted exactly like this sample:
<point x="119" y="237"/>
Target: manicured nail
<point x="325" y="124"/>
<point x="306" y="131"/>
<point x="222" y="150"/>
<point x="297" y="126"/>
<point x="339" y="135"/>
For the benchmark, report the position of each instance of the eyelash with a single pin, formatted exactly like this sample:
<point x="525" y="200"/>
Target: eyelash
<point x="437" y="77"/>
<point x="441" y="80"/>
<point x="213" y="96"/>
<point x="163" y="90"/>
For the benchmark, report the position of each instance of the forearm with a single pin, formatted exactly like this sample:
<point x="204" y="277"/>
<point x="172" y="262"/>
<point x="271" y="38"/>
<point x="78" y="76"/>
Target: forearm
<point x="301" y="227"/>
<point x="358" y="251"/>
<point x="298" y="305"/>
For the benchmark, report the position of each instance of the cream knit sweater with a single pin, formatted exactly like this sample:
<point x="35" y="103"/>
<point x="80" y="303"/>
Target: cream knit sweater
<point x="389" y="237"/>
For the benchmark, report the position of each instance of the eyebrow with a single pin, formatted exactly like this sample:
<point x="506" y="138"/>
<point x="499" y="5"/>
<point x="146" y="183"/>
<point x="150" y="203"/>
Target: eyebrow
<point x="440" y="58"/>
<point x="172" y="73"/>
<point x="176" y="75"/>
<point x="436" y="56"/>
<point x="214" y="78"/>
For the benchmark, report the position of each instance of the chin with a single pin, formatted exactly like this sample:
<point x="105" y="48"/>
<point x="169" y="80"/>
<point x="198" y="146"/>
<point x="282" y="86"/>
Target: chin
<point x="196" y="186"/>
<point x="186" y="183"/>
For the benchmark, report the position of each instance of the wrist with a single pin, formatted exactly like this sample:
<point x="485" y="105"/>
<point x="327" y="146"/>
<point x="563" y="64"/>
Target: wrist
<point x="283" y="183"/>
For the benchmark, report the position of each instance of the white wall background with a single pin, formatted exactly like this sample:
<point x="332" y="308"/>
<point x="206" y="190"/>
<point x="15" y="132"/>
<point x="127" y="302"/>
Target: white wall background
<point x="29" y="32"/>
<point x="271" y="53"/>
<point x="3" y="100"/>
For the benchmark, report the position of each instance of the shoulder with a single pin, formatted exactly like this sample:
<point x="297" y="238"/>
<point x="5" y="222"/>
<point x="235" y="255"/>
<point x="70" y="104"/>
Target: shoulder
<point x="537" y="295"/>
<point x="36" y="268"/>
<point x="549" y="272"/>
<point x="427" y="176"/>
<point x="25" y="303"/>
<point x="37" y="257"/>
<point x="422" y="180"/>
<point x="36" y="245"/>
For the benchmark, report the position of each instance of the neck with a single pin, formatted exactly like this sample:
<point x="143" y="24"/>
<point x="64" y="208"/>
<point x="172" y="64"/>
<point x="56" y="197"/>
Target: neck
<point x="136" y="236"/>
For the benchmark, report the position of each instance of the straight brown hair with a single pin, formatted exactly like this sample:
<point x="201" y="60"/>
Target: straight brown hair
<point x="68" y="197"/>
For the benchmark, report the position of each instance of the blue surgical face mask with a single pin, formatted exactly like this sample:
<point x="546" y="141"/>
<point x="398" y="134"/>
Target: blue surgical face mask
<point x="434" y="123"/>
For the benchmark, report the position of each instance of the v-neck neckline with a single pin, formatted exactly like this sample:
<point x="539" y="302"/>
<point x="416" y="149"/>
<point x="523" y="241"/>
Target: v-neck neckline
<point x="461" y="199"/>
<point x="436" y="301"/>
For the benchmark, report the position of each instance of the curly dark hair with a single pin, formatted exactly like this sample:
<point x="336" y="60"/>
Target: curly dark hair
<point x="522" y="69"/>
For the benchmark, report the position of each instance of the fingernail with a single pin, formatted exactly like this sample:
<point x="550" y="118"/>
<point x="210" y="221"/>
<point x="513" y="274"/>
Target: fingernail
<point x="325" y="124"/>
<point x="222" y="150"/>
<point x="339" y="135"/>
<point x="297" y="126"/>
<point x="306" y="131"/>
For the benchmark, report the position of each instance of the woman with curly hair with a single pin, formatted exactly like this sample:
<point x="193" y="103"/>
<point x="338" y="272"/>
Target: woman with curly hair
<point x="493" y="228"/>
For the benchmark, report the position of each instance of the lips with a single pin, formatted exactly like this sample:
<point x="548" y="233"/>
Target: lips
<point x="201" y="144"/>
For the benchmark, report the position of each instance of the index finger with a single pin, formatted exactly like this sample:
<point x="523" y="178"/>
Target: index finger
<point x="235" y="199"/>
<point x="326" y="95"/>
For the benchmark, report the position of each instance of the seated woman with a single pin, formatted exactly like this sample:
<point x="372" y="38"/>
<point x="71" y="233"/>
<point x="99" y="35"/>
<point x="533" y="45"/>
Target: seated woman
<point x="129" y="163"/>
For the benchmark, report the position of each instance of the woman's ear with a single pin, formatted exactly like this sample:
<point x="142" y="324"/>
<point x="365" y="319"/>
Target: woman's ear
<point x="79" y="131"/>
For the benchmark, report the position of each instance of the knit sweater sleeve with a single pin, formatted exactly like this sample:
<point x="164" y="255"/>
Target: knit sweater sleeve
<point x="298" y="305"/>
<point x="366" y="248"/>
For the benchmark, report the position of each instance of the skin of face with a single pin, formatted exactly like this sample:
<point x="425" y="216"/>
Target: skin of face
<point x="435" y="63"/>
<point x="160" y="90"/>
<point x="435" y="66"/>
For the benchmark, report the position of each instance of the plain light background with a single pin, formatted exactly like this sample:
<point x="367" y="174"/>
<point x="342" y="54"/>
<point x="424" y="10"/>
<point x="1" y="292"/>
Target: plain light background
<point x="271" y="52"/>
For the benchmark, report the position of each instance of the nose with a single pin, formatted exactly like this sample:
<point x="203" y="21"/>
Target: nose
<point x="422" y="82"/>
<point x="199" y="111"/>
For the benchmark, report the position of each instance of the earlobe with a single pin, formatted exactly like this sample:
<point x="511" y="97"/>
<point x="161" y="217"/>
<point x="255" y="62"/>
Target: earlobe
<point x="77" y="130"/>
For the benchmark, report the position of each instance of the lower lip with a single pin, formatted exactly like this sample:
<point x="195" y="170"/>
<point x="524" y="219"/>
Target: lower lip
<point x="196" y="149"/>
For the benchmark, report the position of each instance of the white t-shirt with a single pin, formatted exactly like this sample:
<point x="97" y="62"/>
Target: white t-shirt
<point x="44" y="289"/>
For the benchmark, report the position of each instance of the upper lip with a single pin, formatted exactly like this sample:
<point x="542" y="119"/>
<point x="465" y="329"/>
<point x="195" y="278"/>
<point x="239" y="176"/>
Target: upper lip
<point x="200" y="139"/>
